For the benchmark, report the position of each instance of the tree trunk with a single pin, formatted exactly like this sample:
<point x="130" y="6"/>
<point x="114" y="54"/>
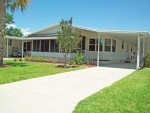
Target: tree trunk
<point x="2" y="31"/>
<point x="1" y="60"/>
<point x="65" y="62"/>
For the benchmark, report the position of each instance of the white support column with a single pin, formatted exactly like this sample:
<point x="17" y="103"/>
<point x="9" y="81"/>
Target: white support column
<point x="22" y="49"/>
<point x="7" y="49"/>
<point x="138" y="53"/>
<point x="98" y="50"/>
<point x="143" y="47"/>
<point x="143" y="54"/>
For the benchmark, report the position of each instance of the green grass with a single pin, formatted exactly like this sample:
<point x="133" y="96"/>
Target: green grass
<point x="129" y="95"/>
<point x="26" y="70"/>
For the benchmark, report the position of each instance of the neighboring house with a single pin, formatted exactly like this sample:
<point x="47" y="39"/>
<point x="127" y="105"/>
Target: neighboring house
<point x="113" y="46"/>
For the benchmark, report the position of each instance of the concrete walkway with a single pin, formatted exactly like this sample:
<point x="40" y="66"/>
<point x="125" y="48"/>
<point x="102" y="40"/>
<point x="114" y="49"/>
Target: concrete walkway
<point x="58" y="93"/>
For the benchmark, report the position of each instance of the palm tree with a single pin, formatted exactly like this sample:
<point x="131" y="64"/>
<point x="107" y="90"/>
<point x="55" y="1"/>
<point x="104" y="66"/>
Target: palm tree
<point x="12" y="5"/>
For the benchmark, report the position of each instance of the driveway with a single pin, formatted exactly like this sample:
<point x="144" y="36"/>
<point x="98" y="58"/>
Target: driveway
<point x="58" y="93"/>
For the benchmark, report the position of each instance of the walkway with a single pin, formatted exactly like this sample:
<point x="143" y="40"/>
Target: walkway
<point x="58" y="93"/>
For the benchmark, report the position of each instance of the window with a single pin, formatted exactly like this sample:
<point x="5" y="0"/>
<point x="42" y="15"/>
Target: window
<point x="122" y="44"/>
<point x="44" y="45"/>
<point x="54" y="46"/>
<point x="107" y="44"/>
<point x="101" y="45"/>
<point x="36" y="45"/>
<point x="92" y="45"/>
<point x="113" y="45"/>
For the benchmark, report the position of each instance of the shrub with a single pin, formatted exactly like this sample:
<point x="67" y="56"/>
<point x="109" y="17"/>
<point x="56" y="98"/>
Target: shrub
<point x="54" y="60"/>
<point x="20" y="59"/>
<point x="27" y="58"/>
<point x="15" y="59"/>
<point x="79" y="58"/>
<point x="147" y="60"/>
<point x="45" y="59"/>
<point x="71" y="62"/>
<point x="50" y="59"/>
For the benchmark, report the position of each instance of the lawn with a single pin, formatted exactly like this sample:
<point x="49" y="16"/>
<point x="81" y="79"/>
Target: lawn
<point x="26" y="70"/>
<point x="129" y="95"/>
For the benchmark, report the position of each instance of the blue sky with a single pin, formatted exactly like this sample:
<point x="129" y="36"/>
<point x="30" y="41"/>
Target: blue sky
<point x="98" y="14"/>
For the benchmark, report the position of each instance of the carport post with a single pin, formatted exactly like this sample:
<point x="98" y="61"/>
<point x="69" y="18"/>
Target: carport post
<point x="143" y="51"/>
<point x="138" y="53"/>
<point x="143" y="47"/>
<point x="22" y="49"/>
<point x="98" y="49"/>
<point x="7" y="48"/>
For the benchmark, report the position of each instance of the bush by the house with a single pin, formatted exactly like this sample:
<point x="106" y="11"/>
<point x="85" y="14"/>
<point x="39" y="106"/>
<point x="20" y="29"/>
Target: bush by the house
<point x="79" y="58"/>
<point x="38" y="59"/>
<point x="147" y="60"/>
<point x="15" y="59"/>
<point x="20" y="59"/>
<point x="54" y="60"/>
<point x="71" y="62"/>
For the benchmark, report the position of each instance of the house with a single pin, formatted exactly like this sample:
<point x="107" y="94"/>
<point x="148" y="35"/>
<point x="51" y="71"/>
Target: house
<point x="113" y="47"/>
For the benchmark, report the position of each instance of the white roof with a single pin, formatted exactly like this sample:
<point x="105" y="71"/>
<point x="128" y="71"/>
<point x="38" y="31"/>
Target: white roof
<point x="128" y="36"/>
<point x="31" y="38"/>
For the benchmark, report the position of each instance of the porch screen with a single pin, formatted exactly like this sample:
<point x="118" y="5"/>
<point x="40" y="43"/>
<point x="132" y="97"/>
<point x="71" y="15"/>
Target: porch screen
<point x="107" y="44"/>
<point x="54" y="46"/>
<point x="44" y="45"/>
<point x="36" y="45"/>
<point x="28" y="46"/>
<point x="92" y="45"/>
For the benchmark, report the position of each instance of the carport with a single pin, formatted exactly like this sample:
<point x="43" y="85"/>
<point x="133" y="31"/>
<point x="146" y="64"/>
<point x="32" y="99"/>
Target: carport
<point x="140" y="39"/>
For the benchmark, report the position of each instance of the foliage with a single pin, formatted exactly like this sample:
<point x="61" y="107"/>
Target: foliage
<point x="12" y="5"/>
<point x="9" y="19"/>
<point x="11" y="31"/>
<point x="15" y="59"/>
<point x="71" y="62"/>
<point x="129" y="95"/>
<point x="39" y="59"/>
<point x="67" y="38"/>
<point x="147" y="60"/>
<point x="79" y="58"/>
<point x="20" y="59"/>
<point x="18" y="71"/>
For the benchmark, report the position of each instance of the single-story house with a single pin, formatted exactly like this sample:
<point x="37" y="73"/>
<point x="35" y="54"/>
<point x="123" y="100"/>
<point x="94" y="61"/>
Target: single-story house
<point x="113" y="47"/>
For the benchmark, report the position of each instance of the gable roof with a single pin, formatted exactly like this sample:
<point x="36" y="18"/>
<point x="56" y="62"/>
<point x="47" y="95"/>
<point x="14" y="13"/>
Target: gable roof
<point x="94" y="30"/>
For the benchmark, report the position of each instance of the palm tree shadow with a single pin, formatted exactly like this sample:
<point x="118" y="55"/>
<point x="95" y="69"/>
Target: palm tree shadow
<point x="17" y="64"/>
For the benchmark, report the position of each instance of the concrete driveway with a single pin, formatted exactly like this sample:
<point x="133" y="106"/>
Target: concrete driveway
<point x="58" y="93"/>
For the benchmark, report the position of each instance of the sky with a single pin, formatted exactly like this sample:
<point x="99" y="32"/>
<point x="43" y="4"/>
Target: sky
<point x="131" y="15"/>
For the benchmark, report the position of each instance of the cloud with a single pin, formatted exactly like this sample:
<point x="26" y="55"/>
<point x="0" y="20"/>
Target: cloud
<point x="25" y="31"/>
<point x="10" y="25"/>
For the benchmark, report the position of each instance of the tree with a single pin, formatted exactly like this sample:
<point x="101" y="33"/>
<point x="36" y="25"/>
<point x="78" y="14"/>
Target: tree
<point x="68" y="39"/>
<point x="11" y="31"/>
<point x="12" y="5"/>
